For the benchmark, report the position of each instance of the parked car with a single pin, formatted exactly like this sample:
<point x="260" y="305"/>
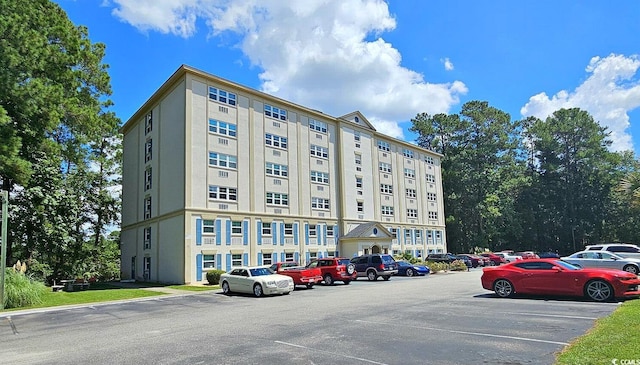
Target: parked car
<point x="604" y="259"/>
<point x="494" y="260"/>
<point x="441" y="257"/>
<point x="335" y="269"/>
<point x="300" y="274"/>
<point x="526" y="255"/>
<point x="375" y="265"/>
<point x="558" y="277"/>
<point x="548" y="255"/>
<point x="465" y="259"/>
<point x="409" y="269"/>
<point x="508" y="257"/>
<point x="257" y="280"/>
<point x="620" y="249"/>
<point x="475" y="259"/>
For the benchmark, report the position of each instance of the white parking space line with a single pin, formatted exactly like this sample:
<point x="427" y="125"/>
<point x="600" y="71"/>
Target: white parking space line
<point x="550" y="315"/>
<point x="470" y="333"/>
<point x="329" y="352"/>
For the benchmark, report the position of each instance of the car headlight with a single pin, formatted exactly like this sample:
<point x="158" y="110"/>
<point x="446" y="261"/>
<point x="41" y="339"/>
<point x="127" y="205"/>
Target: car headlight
<point x="271" y="284"/>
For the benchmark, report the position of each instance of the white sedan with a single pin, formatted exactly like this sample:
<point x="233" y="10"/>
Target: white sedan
<point x="257" y="280"/>
<point x="604" y="259"/>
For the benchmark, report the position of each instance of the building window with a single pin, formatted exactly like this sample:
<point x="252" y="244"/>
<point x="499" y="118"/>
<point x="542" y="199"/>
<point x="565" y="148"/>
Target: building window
<point x="429" y="160"/>
<point x="267" y="258"/>
<point x="318" y="151"/>
<point x="275" y="169"/>
<point x="431" y="197"/>
<point x="266" y="229"/>
<point x="433" y="215"/>
<point x="329" y="231"/>
<point x="418" y="234"/>
<point x="220" y="160"/>
<point x="360" y="207"/>
<point x="236" y="228"/>
<point x="384" y="146"/>
<point x="410" y="173"/>
<point x="313" y="230"/>
<point x="277" y="199"/>
<point x="394" y="232"/>
<point x="275" y="141"/>
<point x="147" y="238"/>
<point x="319" y="177"/>
<point x="147" y="178"/>
<point x="208" y="262"/>
<point x="412" y="213"/>
<point x="386" y="188"/>
<point x="148" y="123"/>
<point x="222" y="128"/>
<point x="319" y="203"/>
<point x="313" y="255"/>
<point x="147" y="207"/>
<point x="288" y="256"/>
<point x="358" y="159"/>
<point x="386" y="210"/>
<point x="273" y="112"/>
<point x="358" y="182"/>
<point x="431" y="178"/>
<point x="407" y="153"/>
<point x="208" y="226"/>
<point x="407" y="234"/>
<point x="317" y="126"/>
<point x="356" y="136"/>
<point x="236" y="259"/>
<point x="411" y="193"/>
<point x="288" y="229"/>
<point x="384" y="167"/>
<point x="223" y="193"/>
<point x="222" y="96"/>
<point x="148" y="148"/>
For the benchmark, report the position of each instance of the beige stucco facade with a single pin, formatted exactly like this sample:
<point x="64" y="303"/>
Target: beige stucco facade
<point x="217" y="175"/>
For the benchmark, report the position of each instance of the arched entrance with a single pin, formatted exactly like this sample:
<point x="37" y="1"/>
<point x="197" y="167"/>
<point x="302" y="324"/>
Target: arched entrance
<point x="375" y="249"/>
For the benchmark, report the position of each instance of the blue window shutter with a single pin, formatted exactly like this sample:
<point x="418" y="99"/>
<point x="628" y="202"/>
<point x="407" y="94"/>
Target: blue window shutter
<point x="259" y="258"/>
<point x="259" y="232"/>
<point x="336" y="232"/>
<point x="218" y="232"/>
<point x="228" y="262"/>
<point x="296" y="256"/>
<point x="198" y="231"/>
<point x="319" y="254"/>
<point x="308" y="257"/>
<point x="228" y="227"/>
<point x="324" y="234"/>
<point x="219" y="261"/>
<point x="306" y="233"/>
<point x="245" y="259"/>
<point x="295" y="233"/>
<point x="274" y="233"/>
<point x="199" y="267"/>
<point x="245" y="232"/>
<point x="274" y="257"/>
<point x="282" y="234"/>
<point x="283" y="257"/>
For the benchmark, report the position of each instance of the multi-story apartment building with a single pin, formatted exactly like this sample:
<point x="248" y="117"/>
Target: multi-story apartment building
<point x="217" y="175"/>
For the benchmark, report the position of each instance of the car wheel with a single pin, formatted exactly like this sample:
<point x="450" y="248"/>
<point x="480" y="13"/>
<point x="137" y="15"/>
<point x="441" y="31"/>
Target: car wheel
<point x="328" y="279"/>
<point x="257" y="290"/>
<point x="503" y="288"/>
<point x="599" y="290"/>
<point x="386" y="277"/>
<point x="409" y="272"/>
<point x="351" y="268"/>
<point x="225" y="288"/>
<point x="631" y="268"/>
<point x="371" y="275"/>
<point x="346" y="282"/>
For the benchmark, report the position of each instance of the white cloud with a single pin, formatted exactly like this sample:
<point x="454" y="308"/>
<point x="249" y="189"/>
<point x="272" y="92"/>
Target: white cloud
<point x="324" y="54"/>
<point x="608" y="94"/>
<point x="448" y="65"/>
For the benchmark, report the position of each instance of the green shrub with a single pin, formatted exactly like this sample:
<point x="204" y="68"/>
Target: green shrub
<point x="213" y="276"/>
<point x="458" y="265"/>
<point x="21" y="290"/>
<point x="437" y="266"/>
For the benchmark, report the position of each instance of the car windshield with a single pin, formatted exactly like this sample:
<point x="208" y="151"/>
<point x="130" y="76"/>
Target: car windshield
<point x="567" y="265"/>
<point x="344" y="262"/>
<point x="261" y="271"/>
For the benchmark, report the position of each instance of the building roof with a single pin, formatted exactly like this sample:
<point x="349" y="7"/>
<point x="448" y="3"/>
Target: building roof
<point x="365" y="230"/>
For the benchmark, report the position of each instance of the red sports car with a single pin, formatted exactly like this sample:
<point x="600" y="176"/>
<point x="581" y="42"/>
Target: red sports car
<point x="557" y="277"/>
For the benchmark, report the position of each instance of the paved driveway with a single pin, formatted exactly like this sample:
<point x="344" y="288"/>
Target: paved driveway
<point x="440" y="319"/>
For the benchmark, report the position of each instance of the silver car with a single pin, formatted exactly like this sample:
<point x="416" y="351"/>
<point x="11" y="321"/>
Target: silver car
<point x="604" y="259"/>
<point x="257" y="280"/>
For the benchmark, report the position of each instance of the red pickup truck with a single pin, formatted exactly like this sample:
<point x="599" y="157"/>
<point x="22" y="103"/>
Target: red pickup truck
<point x="299" y="274"/>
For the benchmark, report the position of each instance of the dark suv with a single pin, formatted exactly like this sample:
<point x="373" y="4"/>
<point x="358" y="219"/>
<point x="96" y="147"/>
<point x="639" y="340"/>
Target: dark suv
<point x="335" y="269"/>
<point x="372" y="266"/>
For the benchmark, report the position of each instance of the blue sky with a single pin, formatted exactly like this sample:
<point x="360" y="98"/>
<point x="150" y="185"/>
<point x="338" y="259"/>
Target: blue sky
<point x="389" y="59"/>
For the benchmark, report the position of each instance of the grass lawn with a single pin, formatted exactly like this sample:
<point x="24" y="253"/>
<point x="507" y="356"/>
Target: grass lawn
<point x="614" y="337"/>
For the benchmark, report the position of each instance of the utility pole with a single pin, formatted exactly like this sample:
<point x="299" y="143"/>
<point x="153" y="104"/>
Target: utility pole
<point x="3" y="250"/>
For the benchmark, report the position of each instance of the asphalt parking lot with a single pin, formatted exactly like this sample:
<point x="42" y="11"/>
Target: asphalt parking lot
<point x="446" y="318"/>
